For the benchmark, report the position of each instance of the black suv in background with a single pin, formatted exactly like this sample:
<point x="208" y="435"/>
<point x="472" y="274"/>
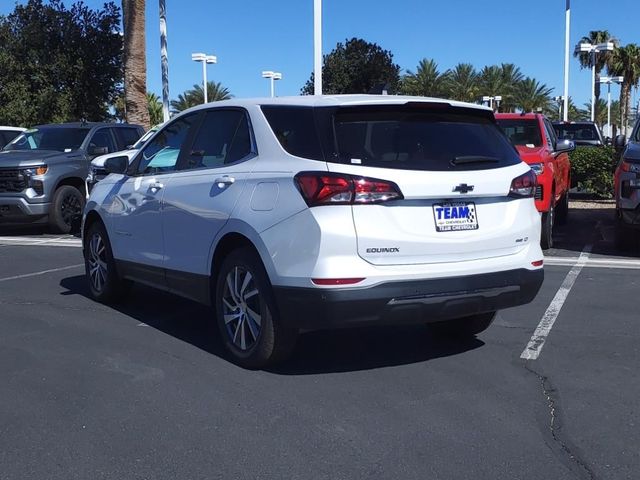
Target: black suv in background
<point x="43" y="170"/>
<point x="581" y="133"/>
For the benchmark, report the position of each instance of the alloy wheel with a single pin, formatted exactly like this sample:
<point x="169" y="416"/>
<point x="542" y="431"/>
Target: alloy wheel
<point x="97" y="262"/>
<point x="242" y="308"/>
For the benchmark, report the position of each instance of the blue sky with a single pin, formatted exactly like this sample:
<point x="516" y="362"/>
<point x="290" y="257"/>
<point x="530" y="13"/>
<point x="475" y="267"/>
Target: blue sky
<point x="249" y="36"/>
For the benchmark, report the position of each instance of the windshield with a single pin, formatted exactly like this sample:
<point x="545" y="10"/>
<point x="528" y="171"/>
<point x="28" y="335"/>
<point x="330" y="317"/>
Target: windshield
<point x="49" y="138"/>
<point x="525" y="132"/>
<point x="572" y="131"/>
<point x="138" y="145"/>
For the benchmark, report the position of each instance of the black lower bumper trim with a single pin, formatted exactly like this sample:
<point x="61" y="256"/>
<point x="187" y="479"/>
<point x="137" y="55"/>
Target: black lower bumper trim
<point x="418" y="301"/>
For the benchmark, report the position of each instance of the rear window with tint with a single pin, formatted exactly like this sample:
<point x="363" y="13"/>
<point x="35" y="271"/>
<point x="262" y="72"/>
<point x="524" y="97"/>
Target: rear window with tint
<point x="576" y="132"/>
<point x="408" y="137"/>
<point x="522" y="132"/>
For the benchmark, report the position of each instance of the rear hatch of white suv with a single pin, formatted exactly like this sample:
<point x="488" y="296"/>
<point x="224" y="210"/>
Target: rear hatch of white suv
<point x="429" y="182"/>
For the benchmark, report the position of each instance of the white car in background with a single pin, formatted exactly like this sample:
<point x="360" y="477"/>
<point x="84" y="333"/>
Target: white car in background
<point x="7" y="134"/>
<point x="305" y="213"/>
<point x="96" y="168"/>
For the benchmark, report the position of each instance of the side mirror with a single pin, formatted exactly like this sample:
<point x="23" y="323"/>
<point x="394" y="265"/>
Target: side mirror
<point x="565" y="146"/>
<point x="95" y="151"/>
<point x="117" y="164"/>
<point x="620" y="142"/>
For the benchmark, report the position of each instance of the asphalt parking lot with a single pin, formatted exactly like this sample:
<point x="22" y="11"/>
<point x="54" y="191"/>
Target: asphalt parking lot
<point x="141" y="391"/>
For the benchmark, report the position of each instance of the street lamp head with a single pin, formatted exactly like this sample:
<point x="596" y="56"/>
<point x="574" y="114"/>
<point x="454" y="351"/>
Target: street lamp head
<point x="277" y="76"/>
<point x="586" y="47"/>
<point x="617" y="79"/>
<point x="487" y="98"/>
<point x="498" y="98"/>
<point x="211" y="59"/>
<point x="268" y="74"/>
<point x="605" y="47"/>
<point x="198" y="57"/>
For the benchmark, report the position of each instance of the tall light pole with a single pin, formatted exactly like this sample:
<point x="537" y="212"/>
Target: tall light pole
<point x="273" y="76"/>
<point x="317" y="47"/>
<point x="489" y="99"/>
<point x="164" y="61"/>
<point x="204" y="59"/>
<point x="608" y="81"/>
<point x="567" y="27"/>
<point x="594" y="50"/>
<point x="560" y="101"/>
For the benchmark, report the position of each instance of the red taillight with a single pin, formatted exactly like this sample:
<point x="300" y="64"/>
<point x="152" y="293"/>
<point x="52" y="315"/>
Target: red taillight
<point x="336" y="281"/>
<point x="628" y="166"/>
<point x="537" y="263"/>
<point x="524" y="185"/>
<point x="320" y="188"/>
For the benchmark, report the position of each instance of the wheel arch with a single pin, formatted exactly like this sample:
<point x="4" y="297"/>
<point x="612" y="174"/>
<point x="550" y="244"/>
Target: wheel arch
<point x="72" y="181"/>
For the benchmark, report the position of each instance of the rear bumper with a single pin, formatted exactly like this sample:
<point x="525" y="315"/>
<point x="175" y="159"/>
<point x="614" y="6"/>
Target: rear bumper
<point x="18" y="210"/>
<point x="418" y="301"/>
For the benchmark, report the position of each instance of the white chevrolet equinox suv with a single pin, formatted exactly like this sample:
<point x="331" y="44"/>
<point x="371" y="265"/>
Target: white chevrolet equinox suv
<point x="305" y="213"/>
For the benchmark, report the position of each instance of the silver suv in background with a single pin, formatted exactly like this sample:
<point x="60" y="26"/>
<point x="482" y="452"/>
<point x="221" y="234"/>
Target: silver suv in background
<point x="305" y="213"/>
<point x="43" y="170"/>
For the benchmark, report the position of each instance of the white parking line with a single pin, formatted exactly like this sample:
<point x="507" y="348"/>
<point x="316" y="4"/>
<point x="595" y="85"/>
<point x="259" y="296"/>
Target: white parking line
<point x="534" y="347"/>
<point x="43" y="272"/>
<point x="46" y="242"/>
<point x="605" y="262"/>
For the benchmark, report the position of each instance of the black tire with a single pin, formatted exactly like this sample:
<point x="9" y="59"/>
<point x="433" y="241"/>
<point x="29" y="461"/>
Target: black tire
<point x="104" y="282"/>
<point x="66" y="209"/>
<point x="464" y="327"/>
<point x="562" y="210"/>
<point x="546" y="232"/>
<point x="626" y="238"/>
<point x="247" y="315"/>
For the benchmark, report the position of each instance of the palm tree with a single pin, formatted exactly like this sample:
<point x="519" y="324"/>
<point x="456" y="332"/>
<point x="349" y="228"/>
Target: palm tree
<point x="531" y="95"/>
<point x="427" y="81"/>
<point x="625" y="62"/>
<point x="195" y="96"/>
<point x="511" y="77"/>
<point x="462" y="83"/>
<point x="135" y="62"/>
<point x="602" y="59"/>
<point x="154" y="106"/>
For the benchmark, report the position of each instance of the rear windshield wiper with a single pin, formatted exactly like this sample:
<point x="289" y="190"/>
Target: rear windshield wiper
<point x="467" y="159"/>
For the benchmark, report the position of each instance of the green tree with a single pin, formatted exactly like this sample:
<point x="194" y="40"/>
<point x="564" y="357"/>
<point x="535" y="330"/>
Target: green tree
<point x="625" y="62"/>
<point x="602" y="59"/>
<point x="531" y="95"/>
<point x="462" y="83"/>
<point x="356" y="67"/>
<point x="59" y="64"/>
<point x="154" y="104"/>
<point x="427" y="81"/>
<point x="195" y="96"/>
<point x="135" y="62"/>
<point x="511" y="78"/>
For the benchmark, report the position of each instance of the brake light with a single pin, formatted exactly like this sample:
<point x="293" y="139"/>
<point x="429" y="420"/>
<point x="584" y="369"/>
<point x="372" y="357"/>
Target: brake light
<point x="322" y="188"/>
<point x="627" y="166"/>
<point x="524" y="185"/>
<point x="336" y="281"/>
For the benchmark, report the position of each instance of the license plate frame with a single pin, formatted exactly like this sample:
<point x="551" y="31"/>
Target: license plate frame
<point x="455" y="216"/>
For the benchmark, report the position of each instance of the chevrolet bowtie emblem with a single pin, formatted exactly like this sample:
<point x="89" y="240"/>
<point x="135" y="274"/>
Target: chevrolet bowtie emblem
<point x="463" y="188"/>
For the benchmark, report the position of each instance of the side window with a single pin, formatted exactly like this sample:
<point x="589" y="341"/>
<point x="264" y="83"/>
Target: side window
<point x="161" y="155"/>
<point x="223" y="138"/>
<point x="551" y="134"/>
<point x="102" y="139"/>
<point x="126" y="136"/>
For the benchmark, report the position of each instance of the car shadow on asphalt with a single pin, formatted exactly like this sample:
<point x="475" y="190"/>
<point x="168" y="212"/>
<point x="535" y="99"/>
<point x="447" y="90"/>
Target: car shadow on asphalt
<point x="332" y="351"/>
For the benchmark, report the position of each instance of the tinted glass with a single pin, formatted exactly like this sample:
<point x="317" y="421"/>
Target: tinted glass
<point x="419" y="138"/>
<point x="102" y="139"/>
<point x="576" y="132"/>
<point x="143" y="139"/>
<point x="522" y="132"/>
<point x="49" y="138"/>
<point x="7" y="135"/>
<point x="295" y="129"/>
<point x="223" y="138"/>
<point x="162" y="153"/>
<point x="127" y="137"/>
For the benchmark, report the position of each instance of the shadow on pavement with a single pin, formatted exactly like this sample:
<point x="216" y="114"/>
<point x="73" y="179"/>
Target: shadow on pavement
<point x="591" y="222"/>
<point x="316" y="352"/>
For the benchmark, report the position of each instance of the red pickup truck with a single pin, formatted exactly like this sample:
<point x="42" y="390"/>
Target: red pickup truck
<point x="535" y="139"/>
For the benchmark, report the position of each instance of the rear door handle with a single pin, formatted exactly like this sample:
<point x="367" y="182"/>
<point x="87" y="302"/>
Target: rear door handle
<point x="225" y="180"/>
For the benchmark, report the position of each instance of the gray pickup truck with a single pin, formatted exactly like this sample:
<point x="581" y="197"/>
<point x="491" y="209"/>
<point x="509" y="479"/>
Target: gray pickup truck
<point x="43" y="170"/>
